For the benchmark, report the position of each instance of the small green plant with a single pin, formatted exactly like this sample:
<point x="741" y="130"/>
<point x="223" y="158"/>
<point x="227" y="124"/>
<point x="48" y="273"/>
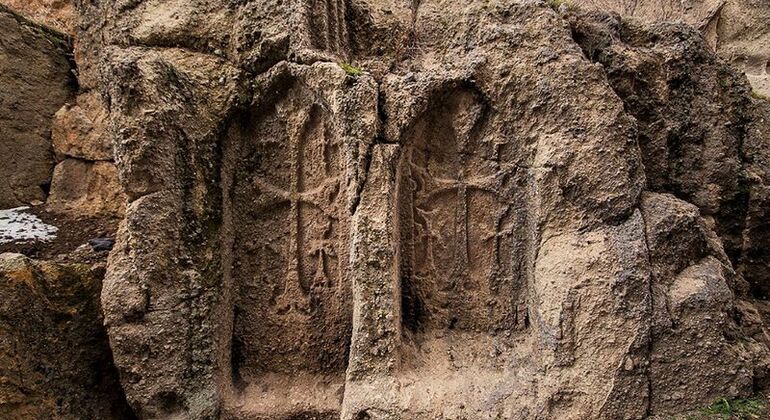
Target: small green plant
<point x="351" y="70"/>
<point x="741" y="409"/>
<point x="556" y="4"/>
<point x="760" y="96"/>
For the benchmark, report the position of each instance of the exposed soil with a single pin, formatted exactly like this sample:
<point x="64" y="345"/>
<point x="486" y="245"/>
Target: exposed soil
<point x="73" y="233"/>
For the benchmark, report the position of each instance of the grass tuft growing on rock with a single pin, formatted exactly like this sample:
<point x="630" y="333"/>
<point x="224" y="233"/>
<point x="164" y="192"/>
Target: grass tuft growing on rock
<point x="741" y="409"/>
<point x="351" y="70"/>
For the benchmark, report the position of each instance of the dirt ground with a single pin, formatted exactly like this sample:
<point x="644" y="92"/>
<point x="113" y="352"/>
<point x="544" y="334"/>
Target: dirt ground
<point x="73" y="233"/>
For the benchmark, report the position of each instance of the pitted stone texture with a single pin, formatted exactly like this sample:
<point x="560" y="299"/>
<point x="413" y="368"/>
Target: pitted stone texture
<point x="743" y="39"/>
<point x="35" y="81"/>
<point x="697" y="13"/>
<point x="86" y="189"/>
<point x="377" y="314"/>
<point x="459" y="221"/>
<point x="293" y="168"/>
<point x="59" y="14"/>
<point x="702" y="136"/>
<point x="736" y="29"/>
<point x="289" y="206"/>
<point x="695" y="312"/>
<point x="490" y="179"/>
<point x="79" y="130"/>
<point x="458" y="233"/>
<point x="164" y="287"/>
<point x="755" y="262"/>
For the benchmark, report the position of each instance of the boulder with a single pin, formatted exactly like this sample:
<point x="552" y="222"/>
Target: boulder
<point x="55" y="361"/>
<point x="86" y="189"/>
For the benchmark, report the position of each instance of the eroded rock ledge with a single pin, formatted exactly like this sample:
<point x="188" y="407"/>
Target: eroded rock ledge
<point x="492" y="210"/>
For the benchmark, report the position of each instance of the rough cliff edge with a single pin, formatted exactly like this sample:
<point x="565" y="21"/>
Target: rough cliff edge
<point x="736" y="29"/>
<point x="414" y="210"/>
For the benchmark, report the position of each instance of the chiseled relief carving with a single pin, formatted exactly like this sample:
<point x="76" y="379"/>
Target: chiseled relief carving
<point x="292" y="229"/>
<point x="457" y="227"/>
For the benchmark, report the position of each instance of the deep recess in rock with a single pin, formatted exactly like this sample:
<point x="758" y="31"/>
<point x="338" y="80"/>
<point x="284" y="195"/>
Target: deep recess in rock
<point x="396" y="209"/>
<point x="290" y="223"/>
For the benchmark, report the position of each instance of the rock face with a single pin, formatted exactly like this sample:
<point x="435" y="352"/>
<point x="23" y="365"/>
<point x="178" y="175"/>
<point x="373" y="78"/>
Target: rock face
<point x="85" y="179"/>
<point x="744" y="38"/>
<point x="697" y="13"/>
<point x="507" y="213"/>
<point x="82" y="188"/>
<point x="55" y="361"/>
<point x="59" y="14"/>
<point x="79" y="130"/>
<point x="736" y="29"/>
<point x="702" y="137"/>
<point x="35" y="81"/>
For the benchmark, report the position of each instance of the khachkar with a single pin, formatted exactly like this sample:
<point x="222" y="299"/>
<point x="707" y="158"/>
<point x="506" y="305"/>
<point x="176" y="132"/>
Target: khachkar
<point x="291" y="229"/>
<point x="456" y="219"/>
<point x="464" y="231"/>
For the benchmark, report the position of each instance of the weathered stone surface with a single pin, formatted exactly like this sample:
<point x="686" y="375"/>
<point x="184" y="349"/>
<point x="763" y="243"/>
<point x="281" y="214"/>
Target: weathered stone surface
<point x="166" y="286"/>
<point x="744" y="40"/>
<point x="35" y="81"/>
<point x="509" y="213"/>
<point x="291" y="221"/>
<point x="59" y="14"/>
<point x="704" y="140"/>
<point x="55" y="361"/>
<point x="377" y="314"/>
<point x="702" y="137"/>
<point x="697" y="13"/>
<point x="695" y="317"/>
<point x="79" y="130"/>
<point x="754" y="263"/>
<point x="756" y="236"/>
<point x="86" y="189"/>
<point x="736" y="29"/>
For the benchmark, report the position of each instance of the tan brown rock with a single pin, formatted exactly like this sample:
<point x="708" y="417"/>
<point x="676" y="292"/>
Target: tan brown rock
<point x="755" y="264"/>
<point x="702" y="136"/>
<point x="79" y="130"/>
<point x="744" y="40"/>
<point x="482" y="226"/>
<point x="86" y="189"/>
<point x="58" y="14"/>
<point x="55" y="361"/>
<point x="736" y="29"/>
<point x="694" y="310"/>
<point x="172" y="204"/>
<point x="698" y="13"/>
<point x="35" y="81"/>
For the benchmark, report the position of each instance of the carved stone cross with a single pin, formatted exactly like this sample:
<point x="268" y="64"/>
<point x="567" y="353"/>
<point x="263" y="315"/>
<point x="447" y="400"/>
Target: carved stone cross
<point x="294" y="298"/>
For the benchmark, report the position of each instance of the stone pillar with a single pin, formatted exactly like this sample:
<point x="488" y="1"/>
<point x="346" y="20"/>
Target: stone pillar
<point x="376" y="289"/>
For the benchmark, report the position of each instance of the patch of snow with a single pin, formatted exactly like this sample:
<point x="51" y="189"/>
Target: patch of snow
<point x="16" y="225"/>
